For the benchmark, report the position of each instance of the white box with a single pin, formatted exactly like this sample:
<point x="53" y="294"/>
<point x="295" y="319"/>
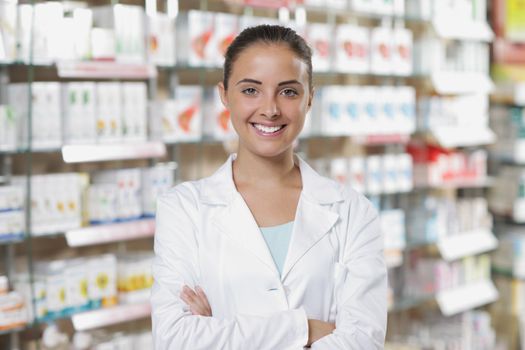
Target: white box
<point x="8" y="128"/>
<point x="72" y="112"/>
<point x="374" y="179"/>
<point x="134" y="111"/>
<point x="24" y="30"/>
<point x="390" y="174"/>
<point x="363" y="6"/>
<point x="109" y="113"/>
<point x="102" y="280"/>
<point x="339" y="170"/>
<point x="332" y="117"/>
<point x="337" y="4"/>
<point x="103" y="44"/>
<point x="402" y="52"/>
<point x="319" y="37"/>
<point x="357" y="174"/>
<point x="8" y="31"/>
<point x="194" y="32"/>
<point x="226" y="29"/>
<point x="161" y="42"/>
<point x="399" y="7"/>
<point x="352" y="110"/>
<point x="127" y="23"/>
<point x="387" y="121"/>
<point x="48" y="20"/>
<point x="352" y="49"/>
<point x="371" y="110"/>
<point x="46" y="115"/>
<point x="405" y="173"/>
<point x="381" y="39"/>
<point x="217" y="123"/>
<point x="188" y="113"/>
<point x="406" y="108"/>
<point x="383" y="7"/>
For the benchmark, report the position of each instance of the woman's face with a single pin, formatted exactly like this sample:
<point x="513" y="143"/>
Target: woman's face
<point x="268" y="97"/>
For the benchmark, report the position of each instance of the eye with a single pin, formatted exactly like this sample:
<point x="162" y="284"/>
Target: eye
<point x="249" y="91"/>
<point x="289" y="92"/>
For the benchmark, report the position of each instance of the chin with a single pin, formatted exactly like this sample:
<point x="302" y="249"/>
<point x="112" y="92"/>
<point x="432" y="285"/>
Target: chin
<point x="268" y="151"/>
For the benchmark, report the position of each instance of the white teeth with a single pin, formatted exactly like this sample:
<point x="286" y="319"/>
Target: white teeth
<point x="268" y="129"/>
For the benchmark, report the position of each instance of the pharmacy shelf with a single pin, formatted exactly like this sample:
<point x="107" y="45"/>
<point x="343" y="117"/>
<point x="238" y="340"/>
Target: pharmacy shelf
<point x="410" y="303"/>
<point x="453" y="83"/>
<point x="104" y="70"/>
<point x="512" y="151"/>
<point x="102" y="152"/>
<point x="466" y="136"/>
<point x="110" y="316"/>
<point x="509" y="93"/>
<point x="294" y="7"/>
<point x="384" y="139"/>
<point x="467" y="297"/>
<point x="466" y="244"/>
<point x="117" y="232"/>
<point x="12" y="330"/>
<point x="11" y="239"/>
<point x="462" y="30"/>
<point x="336" y="75"/>
<point x="482" y="183"/>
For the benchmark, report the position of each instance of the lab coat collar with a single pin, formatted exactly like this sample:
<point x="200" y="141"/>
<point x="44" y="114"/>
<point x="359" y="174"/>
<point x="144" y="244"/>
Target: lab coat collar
<point x="234" y="219"/>
<point x="219" y="188"/>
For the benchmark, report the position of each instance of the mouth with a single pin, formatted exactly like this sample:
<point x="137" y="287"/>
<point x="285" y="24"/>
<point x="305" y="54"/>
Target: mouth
<point x="268" y="130"/>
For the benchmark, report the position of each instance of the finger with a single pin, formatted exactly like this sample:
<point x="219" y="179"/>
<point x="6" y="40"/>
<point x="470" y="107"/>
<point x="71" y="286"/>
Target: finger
<point x="202" y="295"/>
<point x="203" y="300"/>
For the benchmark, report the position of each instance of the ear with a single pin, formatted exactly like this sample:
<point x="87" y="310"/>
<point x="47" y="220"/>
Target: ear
<point x="222" y="94"/>
<point x="310" y="98"/>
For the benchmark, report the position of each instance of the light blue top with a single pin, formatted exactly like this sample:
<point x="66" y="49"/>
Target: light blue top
<point x="278" y="239"/>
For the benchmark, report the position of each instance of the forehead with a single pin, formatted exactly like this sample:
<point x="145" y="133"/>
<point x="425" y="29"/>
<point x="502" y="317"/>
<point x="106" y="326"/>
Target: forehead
<point x="269" y="61"/>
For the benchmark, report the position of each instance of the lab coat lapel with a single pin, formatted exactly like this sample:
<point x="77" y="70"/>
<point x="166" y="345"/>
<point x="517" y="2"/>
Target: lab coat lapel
<point x="312" y="223"/>
<point x="313" y="219"/>
<point x="236" y="221"/>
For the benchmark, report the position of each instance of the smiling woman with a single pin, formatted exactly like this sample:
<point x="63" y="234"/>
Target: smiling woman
<point x="266" y="253"/>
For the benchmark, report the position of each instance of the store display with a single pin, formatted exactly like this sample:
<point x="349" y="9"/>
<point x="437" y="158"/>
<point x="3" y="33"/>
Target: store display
<point x="432" y="218"/>
<point x="435" y="166"/>
<point x="357" y="110"/>
<point x="471" y="330"/>
<point x="217" y="122"/>
<point x="12" y="216"/>
<point x="67" y="287"/>
<point x="417" y="70"/>
<point x="13" y="307"/>
<point x="507" y="197"/>
<point x="389" y="173"/>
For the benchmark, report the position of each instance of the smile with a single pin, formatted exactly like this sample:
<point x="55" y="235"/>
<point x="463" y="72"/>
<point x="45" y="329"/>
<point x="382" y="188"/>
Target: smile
<point x="268" y="130"/>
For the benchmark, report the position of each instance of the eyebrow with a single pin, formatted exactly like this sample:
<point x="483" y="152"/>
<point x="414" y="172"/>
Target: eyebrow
<point x="247" y="80"/>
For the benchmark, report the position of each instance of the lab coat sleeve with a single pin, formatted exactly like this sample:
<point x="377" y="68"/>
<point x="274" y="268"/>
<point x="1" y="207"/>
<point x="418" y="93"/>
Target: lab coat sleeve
<point x="176" y="265"/>
<point x="361" y="286"/>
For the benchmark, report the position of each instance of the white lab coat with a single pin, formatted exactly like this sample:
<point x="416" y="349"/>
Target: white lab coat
<point x="334" y="269"/>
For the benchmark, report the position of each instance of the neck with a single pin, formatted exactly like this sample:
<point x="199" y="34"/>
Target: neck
<point x="264" y="171"/>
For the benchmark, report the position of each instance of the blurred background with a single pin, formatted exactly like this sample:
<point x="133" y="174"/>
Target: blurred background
<point x="106" y="104"/>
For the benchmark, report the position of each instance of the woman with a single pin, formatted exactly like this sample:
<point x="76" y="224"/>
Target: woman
<point x="266" y="253"/>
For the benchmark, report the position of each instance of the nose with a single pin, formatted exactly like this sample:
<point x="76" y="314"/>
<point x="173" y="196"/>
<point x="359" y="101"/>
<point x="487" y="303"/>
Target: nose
<point x="270" y="108"/>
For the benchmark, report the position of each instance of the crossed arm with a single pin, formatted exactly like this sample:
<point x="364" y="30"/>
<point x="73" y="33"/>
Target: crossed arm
<point x="199" y="305"/>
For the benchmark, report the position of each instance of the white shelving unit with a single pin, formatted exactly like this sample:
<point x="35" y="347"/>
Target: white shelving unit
<point x="107" y="152"/>
<point x="467" y="297"/>
<point x="467" y="244"/>
<point x="109" y="233"/>
<point x="110" y="316"/>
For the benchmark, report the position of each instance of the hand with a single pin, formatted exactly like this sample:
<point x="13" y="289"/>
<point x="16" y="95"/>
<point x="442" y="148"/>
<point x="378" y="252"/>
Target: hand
<point x="196" y="300"/>
<point x="318" y="329"/>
